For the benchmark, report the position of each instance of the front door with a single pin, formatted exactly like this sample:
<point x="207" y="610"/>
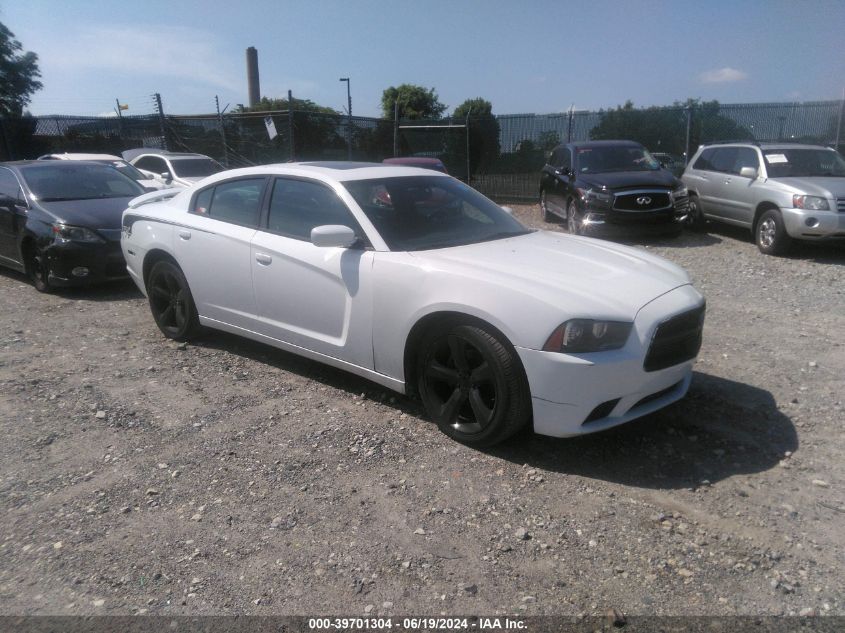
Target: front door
<point x="313" y="297"/>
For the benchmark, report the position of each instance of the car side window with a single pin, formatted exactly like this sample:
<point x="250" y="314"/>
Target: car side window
<point x="9" y="185"/>
<point x="236" y="201"/>
<point x="724" y="159"/>
<point x="564" y="161"/>
<point x="297" y="206"/>
<point x="745" y="157"/>
<point x="153" y="164"/>
<point x="704" y="161"/>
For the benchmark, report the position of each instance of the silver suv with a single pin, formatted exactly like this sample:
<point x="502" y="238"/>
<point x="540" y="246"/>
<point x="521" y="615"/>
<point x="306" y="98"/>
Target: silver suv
<point x="779" y="191"/>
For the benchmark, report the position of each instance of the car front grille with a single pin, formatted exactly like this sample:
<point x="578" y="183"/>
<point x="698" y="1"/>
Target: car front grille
<point x="642" y="200"/>
<point x="676" y="340"/>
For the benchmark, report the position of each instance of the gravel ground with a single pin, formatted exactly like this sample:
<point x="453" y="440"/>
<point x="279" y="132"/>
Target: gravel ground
<point x="141" y="476"/>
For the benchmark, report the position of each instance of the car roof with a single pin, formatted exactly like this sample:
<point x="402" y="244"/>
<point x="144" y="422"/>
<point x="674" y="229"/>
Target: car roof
<point x="412" y="160"/>
<point x="79" y="156"/>
<point x="766" y="146"/>
<point x="610" y="143"/>
<point x="45" y="164"/>
<point x="132" y="154"/>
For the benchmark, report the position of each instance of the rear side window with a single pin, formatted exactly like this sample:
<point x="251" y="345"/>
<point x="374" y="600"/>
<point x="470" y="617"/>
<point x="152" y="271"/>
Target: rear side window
<point x="236" y="201"/>
<point x="724" y="159"/>
<point x="297" y="206"/>
<point x="9" y="186"/>
<point x="152" y="163"/>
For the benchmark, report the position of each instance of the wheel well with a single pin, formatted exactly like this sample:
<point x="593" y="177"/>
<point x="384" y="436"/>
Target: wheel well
<point x="438" y="320"/>
<point x="761" y="208"/>
<point x="152" y="258"/>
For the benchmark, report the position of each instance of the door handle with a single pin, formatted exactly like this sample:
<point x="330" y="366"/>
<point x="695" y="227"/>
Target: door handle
<point x="185" y="235"/>
<point x="264" y="260"/>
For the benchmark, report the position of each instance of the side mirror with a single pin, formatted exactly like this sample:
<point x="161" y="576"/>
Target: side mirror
<point x="507" y="210"/>
<point x="165" y="175"/>
<point x="333" y="235"/>
<point x="748" y="172"/>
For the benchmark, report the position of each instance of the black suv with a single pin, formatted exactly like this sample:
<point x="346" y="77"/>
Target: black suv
<point x="599" y="185"/>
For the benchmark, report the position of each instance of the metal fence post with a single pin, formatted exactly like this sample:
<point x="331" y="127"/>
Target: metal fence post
<point x="222" y="131"/>
<point x="161" y="122"/>
<point x="469" y="167"/>
<point x="839" y="121"/>
<point x="689" y="131"/>
<point x="6" y="152"/>
<point x="290" y="126"/>
<point x="396" y="128"/>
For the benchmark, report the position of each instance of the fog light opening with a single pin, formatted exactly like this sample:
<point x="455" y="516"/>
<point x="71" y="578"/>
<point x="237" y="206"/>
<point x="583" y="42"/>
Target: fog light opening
<point x="812" y="222"/>
<point x="80" y="271"/>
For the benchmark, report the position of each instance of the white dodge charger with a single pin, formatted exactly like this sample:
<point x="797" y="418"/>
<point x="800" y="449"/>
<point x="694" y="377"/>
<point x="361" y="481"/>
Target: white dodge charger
<point x="417" y="282"/>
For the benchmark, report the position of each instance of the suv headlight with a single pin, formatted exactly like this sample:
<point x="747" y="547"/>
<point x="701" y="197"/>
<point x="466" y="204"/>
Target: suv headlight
<point x="596" y="197"/>
<point x="587" y="335"/>
<point x="67" y="233"/>
<point x="680" y="192"/>
<point x="810" y="203"/>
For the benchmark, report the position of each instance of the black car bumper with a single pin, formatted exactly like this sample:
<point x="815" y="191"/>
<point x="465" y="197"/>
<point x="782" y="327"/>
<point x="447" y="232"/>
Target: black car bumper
<point x="79" y="264"/>
<point x="614" y="219"/>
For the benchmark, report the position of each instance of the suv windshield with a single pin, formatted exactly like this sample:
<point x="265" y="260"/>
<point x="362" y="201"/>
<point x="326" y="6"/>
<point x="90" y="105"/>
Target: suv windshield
<point x="786" y="162"/>
<point x="124" y="168"/>
<point x="601" y="159"/>
<point x="195" y="167"/>
<point x="414" y="213"/>
<point x="54" y="182"/>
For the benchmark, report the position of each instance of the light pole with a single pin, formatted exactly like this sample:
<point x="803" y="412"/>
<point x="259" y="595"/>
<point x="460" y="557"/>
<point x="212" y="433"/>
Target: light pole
<point x="349" y="114"/>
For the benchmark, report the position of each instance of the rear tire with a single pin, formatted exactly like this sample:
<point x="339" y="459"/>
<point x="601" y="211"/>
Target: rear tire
<point x="770" y="234"/>
<point x="171" y="302"/>
<point x="472" y="385"/>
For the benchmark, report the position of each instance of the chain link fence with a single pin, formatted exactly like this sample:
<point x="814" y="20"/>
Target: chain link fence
<point x="499" y="155"/>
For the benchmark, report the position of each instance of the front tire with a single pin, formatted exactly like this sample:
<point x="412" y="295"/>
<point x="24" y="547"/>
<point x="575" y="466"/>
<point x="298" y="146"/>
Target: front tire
<point x="548" y="216"/>
<point x="35" y="264"/>
<point x="695" y="219"/>
<point x="171" y="302"/>
<point x="472" y="385"/>
<point x="573" y="220"/>
<point x="770" y="234"/>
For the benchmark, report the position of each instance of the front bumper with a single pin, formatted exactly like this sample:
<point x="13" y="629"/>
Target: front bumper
<point x="69" y="261"/>
<point x="614" y="219"/>
<point x="805" y="224"/>
<point x="583" y="393"/>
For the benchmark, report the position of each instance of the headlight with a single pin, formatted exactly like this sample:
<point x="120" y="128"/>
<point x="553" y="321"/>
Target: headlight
<point x="587" y="335"/>
<point x="811" y="203"/>
<point x="596" y="198"/>
<point x="680" y="192"/>
<point x="66" y="233"/>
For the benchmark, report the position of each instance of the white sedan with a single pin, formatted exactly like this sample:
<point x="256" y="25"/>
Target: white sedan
<point x="417" y="282"/>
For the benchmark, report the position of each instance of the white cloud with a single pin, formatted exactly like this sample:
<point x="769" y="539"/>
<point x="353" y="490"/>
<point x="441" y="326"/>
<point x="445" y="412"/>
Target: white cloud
<point x="163" y="51"/>
<point x="722" y="75"/>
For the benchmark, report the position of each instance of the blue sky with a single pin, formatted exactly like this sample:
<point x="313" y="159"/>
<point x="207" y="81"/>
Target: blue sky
<point x="530" y="56"/>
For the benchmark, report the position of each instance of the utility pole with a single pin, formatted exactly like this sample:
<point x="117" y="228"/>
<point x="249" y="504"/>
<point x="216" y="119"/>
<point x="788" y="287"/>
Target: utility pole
<point x="469" y="168"/>
<point x="290" y="126"/>
<point x="569" y="125"/>
<point x="119" y="110"/>
<point x="396" y="128"/>
<point x="222" y="130"/>
<point x="839" y="121"/>
<point x="349" y="114"/>
<point x="161" y="122"/>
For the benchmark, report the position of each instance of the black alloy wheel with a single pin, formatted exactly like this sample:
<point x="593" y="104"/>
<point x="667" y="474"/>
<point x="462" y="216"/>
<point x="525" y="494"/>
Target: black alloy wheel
<point x="35" y="263"/>
<point x="472" y="385"/>
<point x="171" y="302"/>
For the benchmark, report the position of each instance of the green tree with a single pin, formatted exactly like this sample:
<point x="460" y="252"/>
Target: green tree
<point x="664" y="128"/>
<point x="484" y="145"/>
<point x="415" y="102"/>
<point x="18" y="74"/>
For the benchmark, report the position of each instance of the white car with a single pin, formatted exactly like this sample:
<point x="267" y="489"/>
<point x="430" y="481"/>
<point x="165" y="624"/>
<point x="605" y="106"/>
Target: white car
<point x="145" y="180"/>
<point x="417" y="282"/>
<point x="173" y="169"/>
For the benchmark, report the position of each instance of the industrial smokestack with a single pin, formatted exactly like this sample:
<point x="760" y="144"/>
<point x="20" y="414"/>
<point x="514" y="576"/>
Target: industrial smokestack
<point x="252" y="76"/>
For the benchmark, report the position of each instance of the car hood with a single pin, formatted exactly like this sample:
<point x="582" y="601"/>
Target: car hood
<point x="592" y="277"/>
<point x="625" y="179"/>
<point x="815" y="186"/>
<point x="103" y="214"/>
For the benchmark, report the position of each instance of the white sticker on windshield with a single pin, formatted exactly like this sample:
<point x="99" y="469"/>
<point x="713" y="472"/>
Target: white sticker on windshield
<point x="776" y="158"/>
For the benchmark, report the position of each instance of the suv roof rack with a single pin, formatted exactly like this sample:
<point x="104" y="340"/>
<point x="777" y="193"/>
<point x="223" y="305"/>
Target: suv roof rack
<point x="734" y="141"/>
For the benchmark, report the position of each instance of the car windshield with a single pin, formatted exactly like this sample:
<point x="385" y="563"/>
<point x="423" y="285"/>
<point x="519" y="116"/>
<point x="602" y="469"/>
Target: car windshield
<point x="605" y="158"/>
<point x="125" y="168"/>
<point x="195" y="167"/>
<point x="786" y="162"/>
<point x="60" y="180"/>
<point x="415" y="213"/>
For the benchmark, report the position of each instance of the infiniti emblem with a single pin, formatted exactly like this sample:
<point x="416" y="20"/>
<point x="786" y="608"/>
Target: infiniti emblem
<point x="643" y="200"/>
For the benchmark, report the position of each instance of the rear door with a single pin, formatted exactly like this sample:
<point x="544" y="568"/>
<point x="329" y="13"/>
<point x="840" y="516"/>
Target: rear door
<point x="12" y="217"/>
<point x="313" y="297"/>
<point x="739" y="191"/>
<point x="214" y="249"/>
